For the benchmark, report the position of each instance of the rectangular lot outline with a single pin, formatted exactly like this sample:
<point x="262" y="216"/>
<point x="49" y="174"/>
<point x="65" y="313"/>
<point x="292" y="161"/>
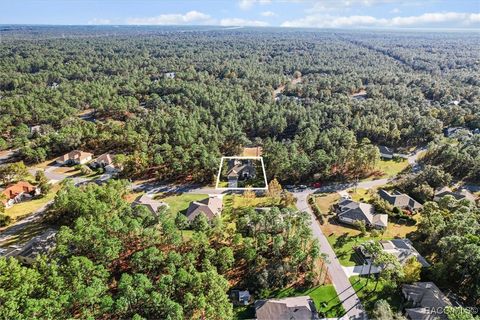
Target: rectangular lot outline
<point x="241" y="189"/>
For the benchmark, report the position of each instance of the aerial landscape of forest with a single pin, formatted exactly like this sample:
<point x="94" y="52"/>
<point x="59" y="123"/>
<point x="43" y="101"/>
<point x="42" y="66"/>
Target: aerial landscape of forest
<point x="117" y="134"/>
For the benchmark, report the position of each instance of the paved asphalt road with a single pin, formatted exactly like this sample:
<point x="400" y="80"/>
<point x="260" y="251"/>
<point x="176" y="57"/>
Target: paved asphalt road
<point x="350" y="301"/>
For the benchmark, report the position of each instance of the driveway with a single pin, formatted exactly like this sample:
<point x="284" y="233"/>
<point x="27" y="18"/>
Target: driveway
<point x="360" y="270"/>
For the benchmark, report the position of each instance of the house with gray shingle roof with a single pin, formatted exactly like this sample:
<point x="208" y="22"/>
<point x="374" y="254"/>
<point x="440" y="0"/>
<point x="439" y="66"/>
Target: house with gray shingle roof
<point x="427" y="301"/>
<point x="210" y="207"/>
<point x="400" y="200"/>
<point x="294" y="308"/>
<point x="402" y="249"/>
<point x="459" y="194"/>
<point x="350" y="212"/>
<point x="385" y="152"/>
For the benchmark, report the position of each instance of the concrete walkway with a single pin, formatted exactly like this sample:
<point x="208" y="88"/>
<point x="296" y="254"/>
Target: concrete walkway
<point x="350" y="301"/>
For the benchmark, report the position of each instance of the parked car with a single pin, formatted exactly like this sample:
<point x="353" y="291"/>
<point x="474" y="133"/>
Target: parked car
<point x="316" y="185"/>
<point x="302" y="187"/>
<point x="289" y="187"/>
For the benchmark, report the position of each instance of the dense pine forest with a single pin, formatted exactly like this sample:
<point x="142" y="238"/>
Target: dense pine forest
<point x="221" y="97"/>
<point x="170" y="102"/>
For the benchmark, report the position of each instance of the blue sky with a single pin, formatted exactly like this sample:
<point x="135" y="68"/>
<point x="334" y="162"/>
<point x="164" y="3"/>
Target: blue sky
<point x="285" y="13"/>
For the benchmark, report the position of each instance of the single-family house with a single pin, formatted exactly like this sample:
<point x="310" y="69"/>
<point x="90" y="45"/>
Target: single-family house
<point x="18" y="192"/>
<point x="210" y="207"/>
<point x="74" y="157"/>
<point x="426" y="300"/>
<point x="106" y="161"/>
<point x="350" y="212"/>
<point x="29" y="251"/>
<point x="401" y="248"/>
<point x="459" y="194"/>
<point x="386" y="152"/>
<point x="241" y="169"/>
<point x="400" y="200"/>
<point x="452" y="132"/>
<point x="294" y="308"/>
<point x="169" y="75"/>
<point x="149" y="203"/>
<point x="240" y="297"/>
<point x="35" y="129"/>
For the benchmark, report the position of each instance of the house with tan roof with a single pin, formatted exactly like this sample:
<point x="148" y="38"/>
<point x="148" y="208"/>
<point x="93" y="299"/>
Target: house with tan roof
<point x="74" y="157"/>
<point x="106" y="161"/>
<point x="210" y="207"/>
<point x="294" y="308"/>
<point x="149" y="203"/>
<point x="18" y="192"/>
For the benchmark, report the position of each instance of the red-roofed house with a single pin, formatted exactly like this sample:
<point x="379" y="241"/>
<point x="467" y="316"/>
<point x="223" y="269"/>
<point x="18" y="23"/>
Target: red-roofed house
<point x="18" y="192"/>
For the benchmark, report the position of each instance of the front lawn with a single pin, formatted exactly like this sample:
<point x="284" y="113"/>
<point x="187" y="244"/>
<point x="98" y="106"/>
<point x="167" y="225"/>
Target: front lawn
<point x="325" y="298"/>
<point x="369" y="295"/>
<point x="238" y="201"/>
<point x="361" y="195"/>
<point x="179" y="202"/>
<point x="325" y="201"/>
<point x="343" y="247"/>
<point x="27" y="207"/>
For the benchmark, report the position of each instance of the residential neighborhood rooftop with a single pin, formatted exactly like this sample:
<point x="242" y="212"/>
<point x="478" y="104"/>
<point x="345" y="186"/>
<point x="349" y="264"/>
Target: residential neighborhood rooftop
<point x="400" y="200"/>
<point x="427" y="299"/>
<point x="210" y="207"/>
<point x="298" y="308"/>
<point x="351" y="211"/>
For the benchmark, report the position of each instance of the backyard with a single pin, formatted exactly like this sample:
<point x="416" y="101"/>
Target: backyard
<point x="369" y="295"/>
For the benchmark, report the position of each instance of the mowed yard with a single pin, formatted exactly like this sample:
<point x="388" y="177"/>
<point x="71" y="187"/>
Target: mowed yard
<point x="388" y="168"/>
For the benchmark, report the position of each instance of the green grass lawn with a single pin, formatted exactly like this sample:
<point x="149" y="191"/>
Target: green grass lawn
<point x="243" y="312"/>
<point x="343" y="247"/>
<point x="179" y="203"/>
<point x="392" y="167"/>
<point x="369" y="296"/>
<point x="325" y="298"/>
<point x="363" y="195"/>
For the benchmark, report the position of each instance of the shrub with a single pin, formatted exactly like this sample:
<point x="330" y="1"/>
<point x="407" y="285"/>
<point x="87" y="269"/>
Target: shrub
<point x="4" y="220"/>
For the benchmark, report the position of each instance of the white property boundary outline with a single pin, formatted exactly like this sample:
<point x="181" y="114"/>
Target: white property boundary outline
<point x="252" y="158"/>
